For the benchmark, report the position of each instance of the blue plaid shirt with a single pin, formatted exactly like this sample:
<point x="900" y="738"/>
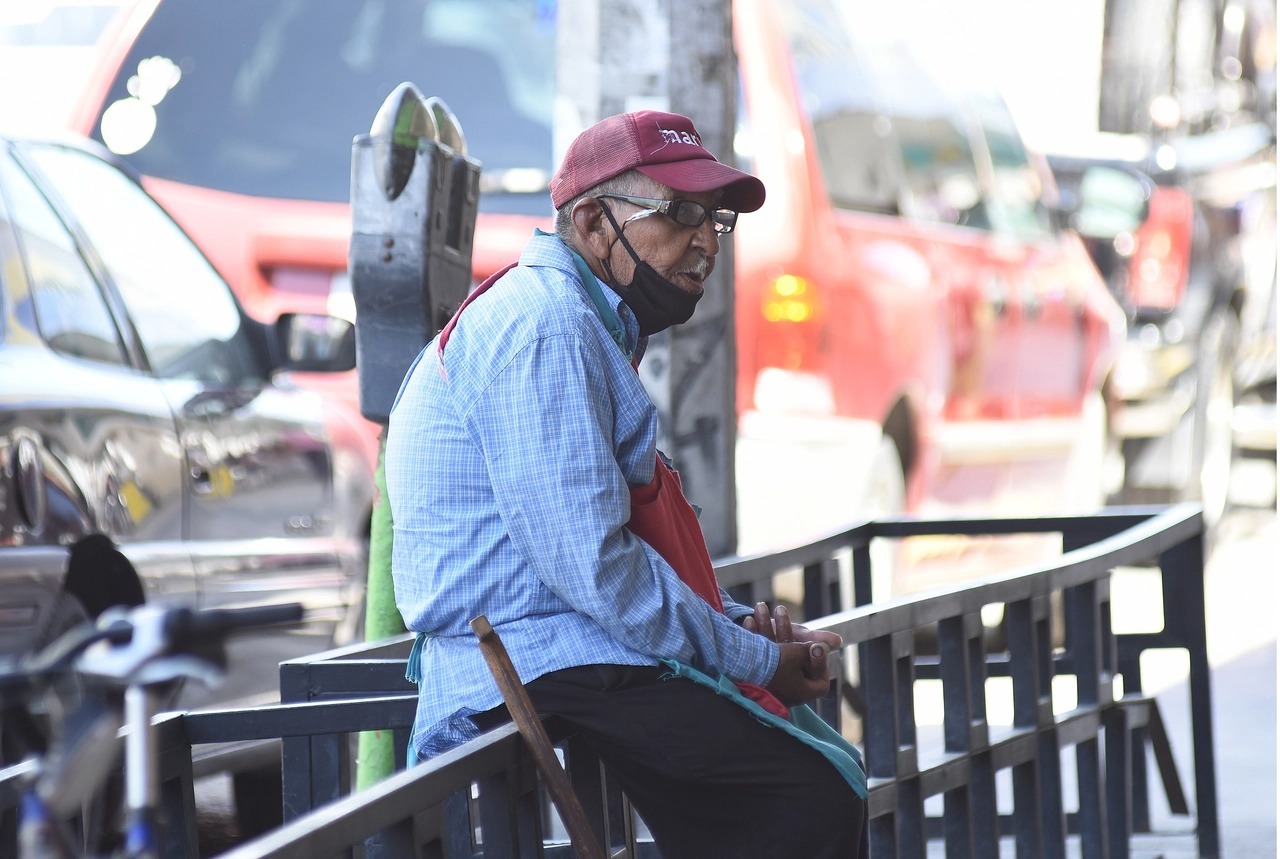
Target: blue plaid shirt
<point x="508" y="467"/>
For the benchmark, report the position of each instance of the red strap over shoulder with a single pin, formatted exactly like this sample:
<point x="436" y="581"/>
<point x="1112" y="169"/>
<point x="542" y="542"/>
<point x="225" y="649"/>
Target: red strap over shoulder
<point x="453" y="320"/>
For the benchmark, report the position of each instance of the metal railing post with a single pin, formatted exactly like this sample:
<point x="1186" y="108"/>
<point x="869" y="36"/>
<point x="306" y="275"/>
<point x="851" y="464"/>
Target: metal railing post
<point x="1183" y="584"/>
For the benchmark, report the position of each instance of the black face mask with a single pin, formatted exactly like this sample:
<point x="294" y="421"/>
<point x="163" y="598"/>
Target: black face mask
<point x="657" y="302"/>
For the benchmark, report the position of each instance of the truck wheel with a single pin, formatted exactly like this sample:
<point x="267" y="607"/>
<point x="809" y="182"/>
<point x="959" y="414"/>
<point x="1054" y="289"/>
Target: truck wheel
<point x="1095" y="470"/>
<point x="886" y="496"/>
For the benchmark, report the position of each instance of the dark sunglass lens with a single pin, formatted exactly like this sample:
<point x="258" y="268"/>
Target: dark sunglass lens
<point x="687" y="213"/>
<point x="724" y="219"/>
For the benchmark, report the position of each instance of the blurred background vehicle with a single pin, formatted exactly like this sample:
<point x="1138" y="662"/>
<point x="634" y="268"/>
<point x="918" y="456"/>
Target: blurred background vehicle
<point x="1194" y="116"/>
<point x="910" y="310"/>
<point x="149" y="448"/>
<point x="1182" y="281"/>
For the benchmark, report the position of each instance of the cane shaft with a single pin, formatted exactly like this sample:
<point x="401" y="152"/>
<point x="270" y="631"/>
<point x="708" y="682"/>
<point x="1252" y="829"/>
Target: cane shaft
<point x="535" y="737"/>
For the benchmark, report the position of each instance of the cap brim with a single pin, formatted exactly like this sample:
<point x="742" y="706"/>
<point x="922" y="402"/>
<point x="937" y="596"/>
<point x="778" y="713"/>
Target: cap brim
<point x="742" y="191"/>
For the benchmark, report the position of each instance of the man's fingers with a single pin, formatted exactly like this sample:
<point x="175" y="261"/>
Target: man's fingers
<point x="782" y="624"/>
<point x="817" y="669"/>
<point x="803" y="633"/>
<point x="764" y="624"/>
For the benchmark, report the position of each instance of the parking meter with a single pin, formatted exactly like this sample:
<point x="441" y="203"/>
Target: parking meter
<point x="414" y="193"/>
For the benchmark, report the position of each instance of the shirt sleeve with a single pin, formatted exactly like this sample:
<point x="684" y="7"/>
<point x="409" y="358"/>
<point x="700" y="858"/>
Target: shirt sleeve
<point x="735" y="611"/>
<point x="546" y="425"/>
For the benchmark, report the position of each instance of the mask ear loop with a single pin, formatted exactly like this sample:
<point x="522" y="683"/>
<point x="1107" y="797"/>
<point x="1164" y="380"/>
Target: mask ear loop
<point x="626" y="245"/>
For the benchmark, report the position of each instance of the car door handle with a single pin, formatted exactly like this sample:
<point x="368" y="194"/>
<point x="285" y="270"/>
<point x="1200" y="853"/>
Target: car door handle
<point x="201" y="481"/>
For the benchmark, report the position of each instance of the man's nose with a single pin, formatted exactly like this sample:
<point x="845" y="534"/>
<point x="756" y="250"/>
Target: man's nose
<point x="706" y="237"/>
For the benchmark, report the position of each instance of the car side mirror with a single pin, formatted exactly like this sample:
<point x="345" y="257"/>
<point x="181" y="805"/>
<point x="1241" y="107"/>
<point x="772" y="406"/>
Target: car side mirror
<point x="1110" y="202"/>
<point x="315" y="343"/>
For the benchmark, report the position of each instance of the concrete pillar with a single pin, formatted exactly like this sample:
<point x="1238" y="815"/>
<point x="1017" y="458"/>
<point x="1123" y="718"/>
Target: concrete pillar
<point x="615" y="56"/>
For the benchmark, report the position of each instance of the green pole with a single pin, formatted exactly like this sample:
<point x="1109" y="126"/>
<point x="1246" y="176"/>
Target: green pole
<point x="376" y="754"/>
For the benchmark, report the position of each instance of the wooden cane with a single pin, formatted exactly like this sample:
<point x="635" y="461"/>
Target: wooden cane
<point x="581" y="835"/>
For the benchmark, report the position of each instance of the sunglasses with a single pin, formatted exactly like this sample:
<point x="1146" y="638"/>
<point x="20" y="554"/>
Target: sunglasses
<point x="686" y="213"/>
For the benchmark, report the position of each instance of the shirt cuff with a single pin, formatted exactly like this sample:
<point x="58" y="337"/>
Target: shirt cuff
<point x="756" y="662"/>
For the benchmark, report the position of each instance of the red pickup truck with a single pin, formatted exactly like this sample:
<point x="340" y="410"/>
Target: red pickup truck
<point x="913" y="319"/>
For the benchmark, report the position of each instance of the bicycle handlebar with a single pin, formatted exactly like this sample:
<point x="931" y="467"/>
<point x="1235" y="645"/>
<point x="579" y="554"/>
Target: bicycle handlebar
<point x="172" y="641"/>
<point x="185" y="627"/>
<point x="134" y="637"/>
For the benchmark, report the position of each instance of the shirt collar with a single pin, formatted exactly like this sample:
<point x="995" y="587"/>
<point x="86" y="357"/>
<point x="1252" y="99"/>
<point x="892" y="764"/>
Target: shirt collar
<point x="618" y="320"/>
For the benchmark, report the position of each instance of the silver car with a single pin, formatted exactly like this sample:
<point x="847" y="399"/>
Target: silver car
<point x="152" y="444"/>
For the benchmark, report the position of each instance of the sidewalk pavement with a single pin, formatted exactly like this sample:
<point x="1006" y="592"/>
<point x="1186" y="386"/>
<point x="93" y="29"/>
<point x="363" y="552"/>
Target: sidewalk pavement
<point x="1242" y="625"/>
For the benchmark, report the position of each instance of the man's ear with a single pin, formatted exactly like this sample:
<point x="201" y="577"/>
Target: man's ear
<point x="592" y="227"/>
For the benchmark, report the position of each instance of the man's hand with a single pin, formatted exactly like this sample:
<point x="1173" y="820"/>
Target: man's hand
<point x="779" y="628"/>
<point x="802" y="673"/>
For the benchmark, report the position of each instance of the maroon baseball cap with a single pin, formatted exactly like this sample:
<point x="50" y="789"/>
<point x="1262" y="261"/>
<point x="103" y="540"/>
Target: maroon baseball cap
<point x="663" y="146"/>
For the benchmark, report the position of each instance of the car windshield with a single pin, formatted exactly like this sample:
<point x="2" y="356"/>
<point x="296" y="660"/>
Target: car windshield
<point x="263" y="97"/>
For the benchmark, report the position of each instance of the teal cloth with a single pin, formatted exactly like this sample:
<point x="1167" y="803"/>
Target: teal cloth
<point x="413" y="666"/>
<point x="413" y="673"/>
<point x="805" y="725"/>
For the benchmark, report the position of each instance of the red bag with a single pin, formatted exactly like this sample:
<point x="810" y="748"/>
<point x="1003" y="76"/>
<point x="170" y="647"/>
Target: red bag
<point x="663" y="518"/>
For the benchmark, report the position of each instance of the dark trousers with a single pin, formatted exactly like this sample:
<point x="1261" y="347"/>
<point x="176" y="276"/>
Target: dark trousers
<point x="706" y="777"/>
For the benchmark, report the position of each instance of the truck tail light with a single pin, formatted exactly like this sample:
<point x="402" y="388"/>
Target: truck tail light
<point x="788" y="299"/>
<point x="1159" y="266"/>
<point x="790" y="336"/>
<point x="791" y="371"/>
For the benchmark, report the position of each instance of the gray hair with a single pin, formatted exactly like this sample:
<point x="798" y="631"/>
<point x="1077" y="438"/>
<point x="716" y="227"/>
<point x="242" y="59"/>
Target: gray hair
<point x="631" y="183"/>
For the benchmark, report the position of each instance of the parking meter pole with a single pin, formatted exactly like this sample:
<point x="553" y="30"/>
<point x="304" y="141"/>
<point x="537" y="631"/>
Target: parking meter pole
<point x="414" y="193"/>
<point x="376" y="756"/>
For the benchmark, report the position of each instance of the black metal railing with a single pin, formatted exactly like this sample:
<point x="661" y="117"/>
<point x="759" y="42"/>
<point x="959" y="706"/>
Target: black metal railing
<point x="970" y="783"/>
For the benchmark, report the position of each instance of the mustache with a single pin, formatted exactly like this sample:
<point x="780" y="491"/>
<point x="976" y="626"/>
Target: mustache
<point x="699" y="269"/>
